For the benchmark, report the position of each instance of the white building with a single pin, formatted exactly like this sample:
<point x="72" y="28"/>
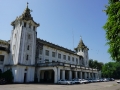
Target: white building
<point x="32" y="58"/>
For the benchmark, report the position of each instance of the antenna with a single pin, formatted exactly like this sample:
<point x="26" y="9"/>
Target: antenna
<point x="73" y="39"/>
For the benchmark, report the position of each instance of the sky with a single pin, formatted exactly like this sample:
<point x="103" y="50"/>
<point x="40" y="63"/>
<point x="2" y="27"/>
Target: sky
<point x="62" y="22"/>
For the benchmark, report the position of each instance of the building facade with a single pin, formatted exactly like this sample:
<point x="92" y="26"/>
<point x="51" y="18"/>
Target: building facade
<point x="31" y="58"/>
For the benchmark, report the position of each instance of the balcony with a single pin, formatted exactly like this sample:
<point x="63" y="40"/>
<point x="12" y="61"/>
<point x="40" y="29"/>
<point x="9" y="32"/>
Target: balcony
<point x="72" y="66"/>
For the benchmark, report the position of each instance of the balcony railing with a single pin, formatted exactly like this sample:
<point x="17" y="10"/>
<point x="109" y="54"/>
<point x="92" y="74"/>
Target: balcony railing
<point x="72" y="66"/>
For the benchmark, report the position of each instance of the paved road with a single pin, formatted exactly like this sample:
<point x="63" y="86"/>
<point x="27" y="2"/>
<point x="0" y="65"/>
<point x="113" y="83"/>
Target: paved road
<point x="92" y="86"/>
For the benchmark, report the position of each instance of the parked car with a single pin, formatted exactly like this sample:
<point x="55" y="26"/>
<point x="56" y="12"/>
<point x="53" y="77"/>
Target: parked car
<point x="105" y="80"/>
<point x="101" y="80"/>
<point x="118" y="81"/>
<point x="112" y="79"/>
<point x="64" y="82"/>
<point x="83" y="81"/>
<point x="76" y="81"/>
<point x="90" y="80"/>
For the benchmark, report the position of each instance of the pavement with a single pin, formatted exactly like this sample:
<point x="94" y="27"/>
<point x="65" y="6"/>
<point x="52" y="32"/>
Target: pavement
<point x="112" y="85"/>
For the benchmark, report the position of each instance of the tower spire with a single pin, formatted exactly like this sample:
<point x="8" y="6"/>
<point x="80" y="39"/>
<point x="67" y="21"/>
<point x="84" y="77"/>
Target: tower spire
<point x="27" y="4"/>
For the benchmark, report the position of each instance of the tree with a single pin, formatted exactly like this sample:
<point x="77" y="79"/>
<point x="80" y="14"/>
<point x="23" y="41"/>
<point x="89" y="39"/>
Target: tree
<point x="111" y="70"/>
<point x="112" y="28"/>
<point x="91" y="63"/>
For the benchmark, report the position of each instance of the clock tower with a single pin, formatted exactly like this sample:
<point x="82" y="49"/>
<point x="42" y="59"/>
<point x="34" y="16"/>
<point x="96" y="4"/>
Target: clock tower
<point x="23" y="47"/>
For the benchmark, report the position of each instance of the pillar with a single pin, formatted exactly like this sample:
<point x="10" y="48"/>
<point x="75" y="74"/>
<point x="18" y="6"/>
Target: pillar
<point x="63" y="74"/>
<point x="58" y="74"/>
<point x="76" y="76"/>
<point x="89" y="75"/>
<point x="39" y="75"/>
<point x="85" y="75"/>
<point x="92" y="75"/>
<point x="81" y="74"/>
<point x="55" y="75"/>
<point x="70" y="75"/>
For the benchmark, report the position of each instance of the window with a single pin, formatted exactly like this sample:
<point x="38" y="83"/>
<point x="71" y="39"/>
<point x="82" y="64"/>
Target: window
<point x="47" y="53"/>
<point x="28" y="36"/>
<point x="69" y="58"/>
<point x="34" y="28"/>
<point x="14" y="27"/>
<point x="59" y="56"/>
<point x="46" y="60"/>
<point x="82" y="50"/>
<point x="64" y="57"/>
<point x="40" y="51"/>
<point x="76" y="61"/>
<point x="40" y="58"/>
<point x="1" y="57"/>
<point x="25" y="69"/>
<point x="29" y="25"/>
<point x="28" y="47"/>
<point x="53" y="54"/>
<point x="27" y="57"/>
<point x="53" y="61"/>
<point x="15" y="36"/>
<point x="24" y="24"/>
<point x="73" y="59"/>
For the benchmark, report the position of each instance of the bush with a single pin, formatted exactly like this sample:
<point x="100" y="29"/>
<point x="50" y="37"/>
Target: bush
<point x="8" y="76"/>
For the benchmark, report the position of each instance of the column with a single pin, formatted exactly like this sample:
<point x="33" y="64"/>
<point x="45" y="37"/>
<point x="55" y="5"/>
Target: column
<point x="39" y="76"/>
<point x="89" y="75"/>
<point x="58" y="74"/>
<point x="70" y="75"/>
<point x="85" y="75"/>
<point x="63" y="74"/>
<point x="96" y="76"/>
<point x="92" y="75"/>
<point x="76" y="76"/>
<point x="81" y="74"/>
<point x="55" y="75"/>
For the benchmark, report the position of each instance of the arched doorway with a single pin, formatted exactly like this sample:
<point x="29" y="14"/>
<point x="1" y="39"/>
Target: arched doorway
<point x="48" y="76"/>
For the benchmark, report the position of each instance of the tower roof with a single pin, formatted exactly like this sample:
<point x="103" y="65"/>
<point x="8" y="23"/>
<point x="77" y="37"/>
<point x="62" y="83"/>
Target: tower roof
<point x="81" y="44"/>
<point x="25" y="16"/>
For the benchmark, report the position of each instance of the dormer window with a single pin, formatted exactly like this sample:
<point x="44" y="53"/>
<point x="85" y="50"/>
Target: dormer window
<point x="24" y="24"/>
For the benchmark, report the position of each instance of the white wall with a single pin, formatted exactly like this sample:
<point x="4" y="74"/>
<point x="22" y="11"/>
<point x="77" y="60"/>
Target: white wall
<point x="50" y="58"/>
<point x="18" y="73"/>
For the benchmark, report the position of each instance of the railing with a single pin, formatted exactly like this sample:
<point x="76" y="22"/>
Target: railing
<point x="72" y="66"/>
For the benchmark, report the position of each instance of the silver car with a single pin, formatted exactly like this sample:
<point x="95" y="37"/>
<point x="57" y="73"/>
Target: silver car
<point x="64" y="82"/>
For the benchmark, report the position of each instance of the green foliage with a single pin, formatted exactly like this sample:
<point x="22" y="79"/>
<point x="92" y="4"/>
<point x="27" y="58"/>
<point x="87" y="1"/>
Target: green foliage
<point x="112" y="28"/>
<point x="8" y="76"/>
<point x="95" y="64"/>
<point x="111" y="70"/>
